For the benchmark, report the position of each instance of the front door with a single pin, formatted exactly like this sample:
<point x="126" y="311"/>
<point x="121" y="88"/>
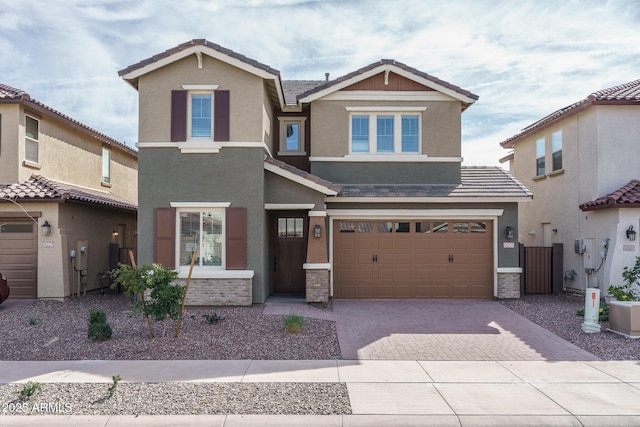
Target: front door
<point x="289" y="252"/>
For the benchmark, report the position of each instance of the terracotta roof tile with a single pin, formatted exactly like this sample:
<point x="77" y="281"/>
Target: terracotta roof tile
<point x="624" y="197"/>
<point x="475" y="182"/>
<point x="39" y="188"/>
<point x="627" y="93"/>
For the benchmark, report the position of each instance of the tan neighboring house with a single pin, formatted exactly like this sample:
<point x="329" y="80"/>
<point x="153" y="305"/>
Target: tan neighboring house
<point x="68" y="196"/>
<point x="582" y="164"/>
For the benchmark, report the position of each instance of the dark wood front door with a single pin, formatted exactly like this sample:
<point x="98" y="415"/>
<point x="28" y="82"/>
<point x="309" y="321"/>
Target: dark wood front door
<point x="289" y="237"/>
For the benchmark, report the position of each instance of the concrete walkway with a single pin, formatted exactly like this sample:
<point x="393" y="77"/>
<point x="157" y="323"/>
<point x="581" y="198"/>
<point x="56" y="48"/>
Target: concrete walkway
<point x="448" y="393"/>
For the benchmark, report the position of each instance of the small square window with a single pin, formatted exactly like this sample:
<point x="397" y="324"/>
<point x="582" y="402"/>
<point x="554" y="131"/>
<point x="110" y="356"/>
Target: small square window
<point x="291" y="136"/>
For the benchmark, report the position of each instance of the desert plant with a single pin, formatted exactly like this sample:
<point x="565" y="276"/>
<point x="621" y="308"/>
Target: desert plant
<point x="293" y="322"/>
<point x="164" y="298"/>
<point x="34" y="321"/>
<point x="99" y="329"/>
<point x="212" y="318"/>
<point x="113" y="388"/>
<point x="628" y="291"/>
<point x="29" y="389"/>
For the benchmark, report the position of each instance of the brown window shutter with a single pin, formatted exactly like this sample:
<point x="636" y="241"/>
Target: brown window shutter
<point x="178" y="115"/>
<point x="236" y="238"/>
<point x="221" y="115"/>
<point x="164" y="237"/>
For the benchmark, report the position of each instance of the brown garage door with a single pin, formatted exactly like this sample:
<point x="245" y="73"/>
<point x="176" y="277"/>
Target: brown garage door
<point x="19" y="257"/>
<point x="413" y="259"/>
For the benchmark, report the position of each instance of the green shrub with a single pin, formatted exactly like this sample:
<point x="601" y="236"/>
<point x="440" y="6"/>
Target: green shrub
<point x="212" y="318"/>
<point x="604" y="312"/>
<point x="29" y="389"/>
<point x="293" y="322"/>
<point x="99" y="329"/>
<point x="112" y="389"/>
<point x="628" y="291"/>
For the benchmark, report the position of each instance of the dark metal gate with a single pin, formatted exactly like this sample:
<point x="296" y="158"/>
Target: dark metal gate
<point x="542" y="268"/>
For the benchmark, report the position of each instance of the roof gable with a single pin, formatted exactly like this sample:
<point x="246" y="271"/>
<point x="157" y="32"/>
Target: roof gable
<point x="382" y="70"/>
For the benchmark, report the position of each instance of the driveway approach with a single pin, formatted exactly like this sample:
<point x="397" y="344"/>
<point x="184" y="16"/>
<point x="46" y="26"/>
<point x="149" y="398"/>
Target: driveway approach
<point x="435" y="330"/>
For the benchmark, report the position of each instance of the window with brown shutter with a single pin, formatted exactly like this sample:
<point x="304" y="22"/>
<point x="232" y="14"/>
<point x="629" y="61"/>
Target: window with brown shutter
<point x="221" y="114"/>
<point x="236" y="238"/>
<point x="164" y="237"/>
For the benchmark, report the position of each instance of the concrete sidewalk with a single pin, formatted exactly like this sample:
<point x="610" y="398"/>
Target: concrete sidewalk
<point x="450" y="393"/>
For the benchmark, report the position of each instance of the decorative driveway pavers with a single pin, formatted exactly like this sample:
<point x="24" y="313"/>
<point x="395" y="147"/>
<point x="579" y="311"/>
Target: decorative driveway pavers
<point x="460" y="330"/>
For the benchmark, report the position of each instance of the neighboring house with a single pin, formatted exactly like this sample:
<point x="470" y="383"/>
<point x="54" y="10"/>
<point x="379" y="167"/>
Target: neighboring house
<point x="582" y="164"/>
<point x="63" y="187"/>
<point x="349" y="188"/>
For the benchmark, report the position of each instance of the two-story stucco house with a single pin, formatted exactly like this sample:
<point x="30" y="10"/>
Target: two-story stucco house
<point x="68" y="196"/>
<point x="345" y="188"/>
<point x="582" y="164"/>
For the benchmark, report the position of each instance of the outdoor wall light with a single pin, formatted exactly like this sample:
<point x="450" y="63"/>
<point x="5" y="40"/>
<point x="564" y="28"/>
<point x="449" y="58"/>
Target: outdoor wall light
<point x="316" y="230"/>
<point x="46" y="228"/>
<point x="508" y="232"/>
<point x="114" y="234"/>
<point x="631" y="233"/>
<point x="555" y="231"/>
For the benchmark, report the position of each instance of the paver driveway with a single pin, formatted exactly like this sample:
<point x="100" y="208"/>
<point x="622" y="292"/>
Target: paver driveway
<point x="436" y="330"/>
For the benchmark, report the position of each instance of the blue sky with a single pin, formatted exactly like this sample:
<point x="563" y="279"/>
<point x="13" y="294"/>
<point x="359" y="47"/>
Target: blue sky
<point x="524" y="59"/>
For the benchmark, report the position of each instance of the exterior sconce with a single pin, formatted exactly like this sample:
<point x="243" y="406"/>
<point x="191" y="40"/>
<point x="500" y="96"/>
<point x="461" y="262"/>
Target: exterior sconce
<point x="555" y="231"/>
<point x="631" y="233"/>
<point x="114" y="234"/>
<point x="46" y="228"/>
<point x="508" y="232"/>
<point x="316" y="230"/>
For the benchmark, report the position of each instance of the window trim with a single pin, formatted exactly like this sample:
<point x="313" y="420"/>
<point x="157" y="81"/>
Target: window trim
<point x="36" y="141"/>
<point x="283" y="122"/>
<point x="397" y="113"/>
<point x="553" y="152"/>
<point x="200" y="208"/>
<point x="106" y="179"/>
<point x="538" y="157"/>
<point x="200" y="90"/>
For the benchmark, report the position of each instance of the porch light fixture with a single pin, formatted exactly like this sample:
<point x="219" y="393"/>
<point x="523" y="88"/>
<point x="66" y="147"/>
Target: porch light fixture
<point x="114" y="234"/>
<point x="508" y="232"/>
<point x="316" y="231"/>
<point x="631" y="233"/>
<point x="46" y="228"/>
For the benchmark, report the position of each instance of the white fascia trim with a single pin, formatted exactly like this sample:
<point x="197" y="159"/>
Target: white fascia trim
<point x="508" y="270"/>
<point x="298" y="179"/>
<point x="382" y="68"/>
<point x="199" y="205"/>
<point x="416" y="213"/>
<point x="318" y="213"/>
<point x="200" y="87"/>
<point x="207" y="146"/>
<point x="408" y="109"/>
<point x="403" y="96"/>
<point x="316" y="266"/>
<point x="451" y="199"/>
<point x="387" y="158"/>
<point x="201" y="273"/>
<point x="288" y="206"/>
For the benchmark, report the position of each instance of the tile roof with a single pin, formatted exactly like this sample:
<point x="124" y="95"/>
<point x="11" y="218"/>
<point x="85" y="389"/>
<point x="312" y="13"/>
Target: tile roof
<point x="293" y="88"/>
<point x="198" y="42"/>
<point x="476" y="181"/>
<point x="625" y="94"/>
<point x="302" y="174"/>
<point x="39" y="188"/>
<point x="624" y="197"/>
<point x="10" y="94"/>
<point x="382" y="62"/>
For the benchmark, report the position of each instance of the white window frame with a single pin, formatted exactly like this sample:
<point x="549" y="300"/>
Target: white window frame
<point x="36" y="141"/>
<point x="200" y="208"/>
<point x="541" y="142"/>
<point x="397" y="113"/>
<point x="554" y="136"/>
<point x="106" y="165"/>
<point x="199" y="90"/>
<point x="284" y="121"/>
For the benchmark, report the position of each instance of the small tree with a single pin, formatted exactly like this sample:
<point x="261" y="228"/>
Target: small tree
<point x="164" y="297"/>
<point x="99" y="329"/>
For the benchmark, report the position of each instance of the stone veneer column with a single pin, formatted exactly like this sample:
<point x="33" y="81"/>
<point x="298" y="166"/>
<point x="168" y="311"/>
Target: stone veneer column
<point x="509" y="282"/>
<point x="317" y="266"/>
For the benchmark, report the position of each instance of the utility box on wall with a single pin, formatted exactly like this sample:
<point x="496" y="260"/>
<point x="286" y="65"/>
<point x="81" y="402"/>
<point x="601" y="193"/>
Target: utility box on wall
<point x="589" y="254"/>
<point x="82" y="249"/>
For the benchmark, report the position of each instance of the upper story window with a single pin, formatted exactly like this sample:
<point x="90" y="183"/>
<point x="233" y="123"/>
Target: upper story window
<point x="106" y="165"/>
<point x="32" y="139"/>
<point x="201" y="230"/>
<point x="556" y="150"/>
<point x="540" y="168"/>
<point x="291" y="136"/>
<point x="200" y="113"/>
<point x="374" y="130"/>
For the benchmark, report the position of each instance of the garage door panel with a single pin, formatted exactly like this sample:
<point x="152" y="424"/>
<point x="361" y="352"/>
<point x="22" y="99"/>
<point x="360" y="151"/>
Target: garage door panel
<point x="418" y="259"/>
<point x="19" y="257"/>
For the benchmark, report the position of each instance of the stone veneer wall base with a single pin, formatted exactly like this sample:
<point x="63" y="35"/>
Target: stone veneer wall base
<point x="317" y="285"/>
<point x="508" y="285"/>
<point x="218" y="292"/>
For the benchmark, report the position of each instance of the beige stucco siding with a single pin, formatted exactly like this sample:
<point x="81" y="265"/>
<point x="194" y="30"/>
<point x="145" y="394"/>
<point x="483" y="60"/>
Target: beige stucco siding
<point x="246" y="91"/>
<point x="9" y="132"/>
<point x="441" y="125"/>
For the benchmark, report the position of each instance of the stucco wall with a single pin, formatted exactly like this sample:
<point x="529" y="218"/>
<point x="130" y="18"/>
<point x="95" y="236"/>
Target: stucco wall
<point x="247" y="111"/>
<point x="11" y="143"/>
<point x="281" y="190"/>
<point x="388" y="172"/>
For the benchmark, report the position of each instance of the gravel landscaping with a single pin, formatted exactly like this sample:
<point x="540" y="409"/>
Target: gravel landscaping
<point x="51" y="330"/>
